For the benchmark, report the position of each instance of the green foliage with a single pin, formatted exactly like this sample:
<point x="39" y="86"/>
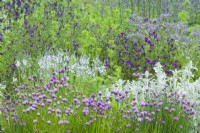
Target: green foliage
<point x="183" y="16"/>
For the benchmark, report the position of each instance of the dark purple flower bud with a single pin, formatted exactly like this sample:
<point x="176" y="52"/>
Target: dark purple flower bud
<point x="147" y="61"/>
<point x="192" y="112"/>
<point x="151" y="44"/>
<point x="53" y="73"/>
<point x="62" y="71"/>
<point x="100" y="93"/>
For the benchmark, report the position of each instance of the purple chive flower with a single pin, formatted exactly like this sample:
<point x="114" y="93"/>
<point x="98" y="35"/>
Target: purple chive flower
<point x="166" y="108"/>
<point x="176" y="118"/>
<point x="76" y="102"/>
<point x="68" y="131"/>
<point x="100" y="93"/>
<point x="117" y="99"/>
<point x="192" y="112"/>
<point x="126" y="92"/>
<point x="34" y="121"/>
<point x="58" y="111"/>
<point x="38" y="114"/>
<point x="60" y="122"/>
<point x="53" y="73"/>
<point x="140" y="119"/>
<point x="153" y="113"/>
<point x="58" y="115"/>
<point x="142" y="104"/>
<point x="49" y="101"/>
<point x="85" y="111"/>
<point x="65" y="122"/>
<point x="157" y="110"/>
<point x="41" y="79"/>
<point x="30" y="79"/>
<point x="48" y="122"/>
<point x="172" y="110"/>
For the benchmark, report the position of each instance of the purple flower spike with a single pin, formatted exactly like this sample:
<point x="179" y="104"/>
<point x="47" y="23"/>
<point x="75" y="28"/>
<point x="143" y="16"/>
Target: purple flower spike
<point x="30" y="79"/>
<point x="146" y="40"/>
<point x="138" y="50"/>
